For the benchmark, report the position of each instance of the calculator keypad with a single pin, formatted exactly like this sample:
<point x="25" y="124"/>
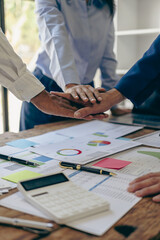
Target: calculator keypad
<point x="70" y="203"/>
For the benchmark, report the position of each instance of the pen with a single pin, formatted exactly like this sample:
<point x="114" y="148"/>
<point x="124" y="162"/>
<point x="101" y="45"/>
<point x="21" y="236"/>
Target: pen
<point x="18" y="160"/>
<point x="84" y="168"/>
<point x="26" y="223"/>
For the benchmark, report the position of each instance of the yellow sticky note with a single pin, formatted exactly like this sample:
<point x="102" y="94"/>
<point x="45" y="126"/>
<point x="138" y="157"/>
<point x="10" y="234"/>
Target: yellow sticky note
<point x="22" y="175"/>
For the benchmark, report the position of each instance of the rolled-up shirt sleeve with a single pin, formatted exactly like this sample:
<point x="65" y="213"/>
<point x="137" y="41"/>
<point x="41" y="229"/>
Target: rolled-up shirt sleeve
<point x="14" y="75"/>
<point x="54" y="39"/>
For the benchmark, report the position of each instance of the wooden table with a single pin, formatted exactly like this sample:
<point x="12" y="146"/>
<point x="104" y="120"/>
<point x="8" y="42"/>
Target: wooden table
<point x="144" y="216"/>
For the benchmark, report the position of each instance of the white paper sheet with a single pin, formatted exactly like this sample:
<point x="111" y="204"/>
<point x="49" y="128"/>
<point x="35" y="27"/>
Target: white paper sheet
<point x="9" y="167"/>
<point x="113" y="189"/>
<point x="152" y="139"/>
<point x="144" y="160"/>
<point x="84" y="149"/>
<point x="17" y="202"/>
<point x="47" y="138"/>
<point x="98" y="127"/>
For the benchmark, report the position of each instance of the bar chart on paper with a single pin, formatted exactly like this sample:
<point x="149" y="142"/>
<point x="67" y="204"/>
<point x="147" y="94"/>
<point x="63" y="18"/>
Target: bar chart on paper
<point x="98" y="143"/>
<point x="143" y="160"/>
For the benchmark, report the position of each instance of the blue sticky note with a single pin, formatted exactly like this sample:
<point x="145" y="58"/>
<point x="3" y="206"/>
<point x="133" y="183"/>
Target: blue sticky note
<point x="43" y="158"/>
<point x="124" y="138"/>
<point x="21" y="143"/>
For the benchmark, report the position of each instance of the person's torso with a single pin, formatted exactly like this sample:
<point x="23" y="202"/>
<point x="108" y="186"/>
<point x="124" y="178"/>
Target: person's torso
<point x="88" y="29"/>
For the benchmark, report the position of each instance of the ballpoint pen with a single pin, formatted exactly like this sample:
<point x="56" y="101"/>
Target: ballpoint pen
<point x="18" y="160"/>
<point x="26" y="223"/>
<point x="84" y="168"/>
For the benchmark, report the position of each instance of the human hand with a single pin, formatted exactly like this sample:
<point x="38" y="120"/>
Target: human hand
<point x="109" y="99"/>
<point x="84" y="92"/>
<point x="148" y="184"/>
<point x="56" y="105"/>
<point x="80" y="104"/>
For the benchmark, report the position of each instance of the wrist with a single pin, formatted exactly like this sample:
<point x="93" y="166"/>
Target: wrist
<point x="70" y="85"/>
<point x="113" y="97"/>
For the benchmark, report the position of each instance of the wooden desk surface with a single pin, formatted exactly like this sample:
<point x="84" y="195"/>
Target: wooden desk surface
<point x="144" y="216"/>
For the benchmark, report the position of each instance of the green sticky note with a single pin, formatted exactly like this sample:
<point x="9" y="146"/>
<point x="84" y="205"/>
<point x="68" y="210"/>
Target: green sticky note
<point x="22" y="175"/>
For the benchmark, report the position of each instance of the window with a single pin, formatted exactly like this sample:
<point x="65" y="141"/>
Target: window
<point x="22" y="33"/>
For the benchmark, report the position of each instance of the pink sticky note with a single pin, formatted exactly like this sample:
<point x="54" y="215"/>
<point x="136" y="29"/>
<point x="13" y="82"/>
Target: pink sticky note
<point x="112" y="163"/>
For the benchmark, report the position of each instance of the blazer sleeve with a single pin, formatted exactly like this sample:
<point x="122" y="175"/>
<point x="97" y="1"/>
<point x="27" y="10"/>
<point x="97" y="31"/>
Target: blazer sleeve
<point x="144" y="77"/>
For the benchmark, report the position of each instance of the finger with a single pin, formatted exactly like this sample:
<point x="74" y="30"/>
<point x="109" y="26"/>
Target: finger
<point x="156" y="198"/>
<point x="143" y="184"/>
<point x="63" y="103"/>
<point x="82" y="94"/>
<point x="89" y="94"/>
<point x="96" y="93"/>
<point x="67" y="96"/>
<point x="83" y="112"/>
<point x="101" y="90"/>
<point x="148" y="191"/>
<point x="74" y="93"/>
<point x="100" y="116"/>
<point x="89" y="117"/>
<point x="70" y="107"/>
<point x="149" y="175"/>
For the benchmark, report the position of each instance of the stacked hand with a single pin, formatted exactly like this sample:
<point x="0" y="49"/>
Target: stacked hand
<point x="61" y="104"/>
<point x="92" y="110"/>
<point x="84" y="92"/>
<point x="89" y="106"/>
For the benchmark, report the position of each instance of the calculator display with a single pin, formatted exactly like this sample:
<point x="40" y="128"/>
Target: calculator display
<point x="44" y="181"/>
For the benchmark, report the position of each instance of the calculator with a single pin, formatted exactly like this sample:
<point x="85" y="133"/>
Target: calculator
<point x="61" y="199"/>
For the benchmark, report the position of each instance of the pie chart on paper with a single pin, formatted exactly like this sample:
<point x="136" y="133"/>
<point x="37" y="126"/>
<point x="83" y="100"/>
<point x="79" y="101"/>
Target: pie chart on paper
<point x="98" y="143"/>
<point x="69" y="152"/>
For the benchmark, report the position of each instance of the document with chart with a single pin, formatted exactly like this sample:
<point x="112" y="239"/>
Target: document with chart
<point x="84" y="149"/>
<point x="143" y="160"/>
<point x="113" y="189"/>
<point x="98" y="128"/>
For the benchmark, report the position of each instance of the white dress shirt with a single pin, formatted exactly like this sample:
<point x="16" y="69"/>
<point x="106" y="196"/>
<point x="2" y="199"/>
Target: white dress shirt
<point x="14" y="74"/>
<point x="76" y="40"/>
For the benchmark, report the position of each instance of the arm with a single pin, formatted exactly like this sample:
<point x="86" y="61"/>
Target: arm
<point x="141" y="80"/>
<point x="56" y="105"/>
<point x="108" y="69"/>
<point x="144" y="77"/>
<point x="55" y="41"/>
<point x="14" y="74"/>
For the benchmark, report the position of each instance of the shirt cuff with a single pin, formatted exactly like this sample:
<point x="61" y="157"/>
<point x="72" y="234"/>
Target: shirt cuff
<point x="26" y="87"/>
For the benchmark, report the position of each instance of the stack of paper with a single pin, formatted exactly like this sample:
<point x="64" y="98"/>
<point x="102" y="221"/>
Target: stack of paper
<point x="5" y="186"/>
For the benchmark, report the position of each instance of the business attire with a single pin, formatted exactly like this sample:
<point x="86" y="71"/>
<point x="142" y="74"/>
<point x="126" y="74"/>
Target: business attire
<point x="14" y="74"/>
<point x="143" y="79"/>
<point x="76" y="40"/>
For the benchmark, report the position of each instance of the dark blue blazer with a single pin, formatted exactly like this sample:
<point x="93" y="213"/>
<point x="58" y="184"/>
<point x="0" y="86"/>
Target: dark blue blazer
<point x="144" y="77"/>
